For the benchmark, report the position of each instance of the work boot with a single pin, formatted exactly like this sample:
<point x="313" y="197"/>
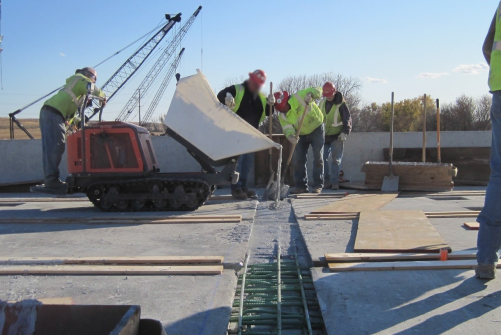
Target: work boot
<point x="316" y="190"/>
<point x="297" y="191"/>
<point x="486" y="271"/>
<point x="55" y="184"/>
<point x="239" y="194"/>
<point x="250" y="193"/>
<point x="335" y="187"/>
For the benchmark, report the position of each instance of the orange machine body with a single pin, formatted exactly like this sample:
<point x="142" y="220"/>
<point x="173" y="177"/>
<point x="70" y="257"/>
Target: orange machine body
<point x="111" y="147"/>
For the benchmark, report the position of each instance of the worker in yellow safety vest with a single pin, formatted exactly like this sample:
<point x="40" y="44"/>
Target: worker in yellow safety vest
<point x="338" y="124"/>
<point x="489" y="217"/>
<point x="54" y="115"/>
<point x="291" y="108"/>
<point x="250" y="104"/>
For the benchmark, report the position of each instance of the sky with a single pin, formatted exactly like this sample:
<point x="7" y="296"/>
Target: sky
<point x="410" y="47"/>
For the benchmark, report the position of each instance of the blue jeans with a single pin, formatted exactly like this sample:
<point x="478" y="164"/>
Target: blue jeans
<point x="316" y="140"/>
<point x="52" y="127"/>
<point x="332" y="172"/>
<point x="244" y="165"/>
<point x="489" y="218"/>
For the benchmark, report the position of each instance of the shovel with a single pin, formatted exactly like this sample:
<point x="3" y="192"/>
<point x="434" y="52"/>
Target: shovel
<point x="284" y="188"/>
<point x="272" y="173"/>
<point x="391" y="182"/>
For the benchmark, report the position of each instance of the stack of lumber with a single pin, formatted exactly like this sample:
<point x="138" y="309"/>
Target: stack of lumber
<point x="343" y="262"/>
<point x="155" y="265"/>
<point x="128" y="220"/>
<point x="420" y="176"/>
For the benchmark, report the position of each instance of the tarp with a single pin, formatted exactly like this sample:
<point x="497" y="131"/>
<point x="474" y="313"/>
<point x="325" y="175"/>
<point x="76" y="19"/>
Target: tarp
<point x="197" y="116"/>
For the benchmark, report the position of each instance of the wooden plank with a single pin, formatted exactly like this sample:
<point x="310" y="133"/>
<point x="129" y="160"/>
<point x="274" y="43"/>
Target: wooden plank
<point x="344" y="257"/>
<point x="472" y="225"/>
<point x="128" y="220"/>
<point x="357" y="203"/>
<point x="165" y="260"/>
<point x="397" y="231"/>
<point x="404" y="265"/>
<point x="355" y="215"/>
<point x="109" y="270"/>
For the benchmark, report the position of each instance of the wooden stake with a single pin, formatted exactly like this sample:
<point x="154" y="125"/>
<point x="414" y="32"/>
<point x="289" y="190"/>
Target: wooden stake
<point x="424" y="126"/>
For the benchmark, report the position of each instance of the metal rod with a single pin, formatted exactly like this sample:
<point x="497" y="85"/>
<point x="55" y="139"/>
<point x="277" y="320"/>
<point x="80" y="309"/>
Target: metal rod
<point x="438" y="122"/>
<point x="391" y="151"/>
<point x="424" y="126"/>
<point x="243" y="285"/>
<point x="304" y="298"/>
<point x="279" y="301"/>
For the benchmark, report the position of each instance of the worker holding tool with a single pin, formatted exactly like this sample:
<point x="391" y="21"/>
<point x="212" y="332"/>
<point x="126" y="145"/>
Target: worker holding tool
<point x="250" y="104"/>
<point x="311" y="134"/>
<point x="54" y="115"/>
<point x="489" y="218"/>
<point x="338" y="124"/>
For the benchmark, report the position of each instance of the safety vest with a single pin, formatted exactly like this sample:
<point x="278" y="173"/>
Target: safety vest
<point x="494" y="77"/>
<point x="72" y="95"/>
<point x="290" y="121"/>
<point x="239" y="94"/>
<point x="332" y="119"/>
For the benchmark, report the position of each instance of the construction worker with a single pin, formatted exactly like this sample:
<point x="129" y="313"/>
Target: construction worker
<point x="338" y="124"/>
<point x="489" y="217"/>
<point x="55" y="114"/>
<point x="250" y="104"/>
<point x="292" y="107"/>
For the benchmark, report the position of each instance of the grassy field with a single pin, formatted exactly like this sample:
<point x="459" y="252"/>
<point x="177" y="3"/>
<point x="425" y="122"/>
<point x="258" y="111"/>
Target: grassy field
<point x="30" y="124"/>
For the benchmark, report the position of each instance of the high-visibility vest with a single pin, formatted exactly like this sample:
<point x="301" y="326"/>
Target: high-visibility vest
<point x="332" y="119"/>
<point x="71" y="96"/>
<point x="239" y="94"/>
<point x="314" y="118"/>
<point x="494" y="77"/>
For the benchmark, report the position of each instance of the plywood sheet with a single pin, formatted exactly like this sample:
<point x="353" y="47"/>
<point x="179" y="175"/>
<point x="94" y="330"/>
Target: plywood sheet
<point x="397" y="231"/>
<point x="357" y="203"/>
<point x="198" y="117"/>
<point x="404" y="265"/>
<point x="345" y="257"/>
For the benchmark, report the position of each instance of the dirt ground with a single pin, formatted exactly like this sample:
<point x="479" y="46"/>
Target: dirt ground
<point x="30" y="124"/>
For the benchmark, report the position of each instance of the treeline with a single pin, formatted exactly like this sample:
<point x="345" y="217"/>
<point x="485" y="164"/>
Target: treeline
<point x="464" y="114"/>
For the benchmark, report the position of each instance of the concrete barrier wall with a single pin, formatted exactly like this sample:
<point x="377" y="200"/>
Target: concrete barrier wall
<point x="21" y="160"/>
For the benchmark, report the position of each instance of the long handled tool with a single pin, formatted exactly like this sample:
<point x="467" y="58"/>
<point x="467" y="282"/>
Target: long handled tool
<point x="270" y="131"/>
<point x="391" y="182"/>
<point x="438" y="121"/>
<point x="284" y="188"/>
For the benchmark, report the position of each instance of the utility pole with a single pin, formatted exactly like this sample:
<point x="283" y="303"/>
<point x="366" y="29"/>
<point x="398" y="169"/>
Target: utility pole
<point x="139" y="107"/>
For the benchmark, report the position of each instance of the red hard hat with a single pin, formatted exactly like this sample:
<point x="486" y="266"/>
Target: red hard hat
<point x="281" y="99"/>
<point x="328" y="89"/>
<point x="258" y="76"/>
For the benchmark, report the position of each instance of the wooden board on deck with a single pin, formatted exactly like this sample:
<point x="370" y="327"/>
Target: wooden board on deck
<point x="357" y="203"/>
<point x="404" y="265"/>
<point x="472" y="225"/>
<point x="345" y="257"/>
<point x="109" y="270"/>
<point x="397" y="231"/>
<point x="165" y="260"/>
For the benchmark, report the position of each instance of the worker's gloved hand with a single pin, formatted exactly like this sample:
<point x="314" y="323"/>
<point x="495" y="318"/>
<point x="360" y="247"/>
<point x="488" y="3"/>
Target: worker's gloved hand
<point x="342" y="137"/>
<point x="230" y="101"/>
<point x="271" y="99"/>
<point x="308" y="98"/>
<point x="103" y="102"/>
<point x="79" y="123"/>
<point x="292" y="139"/>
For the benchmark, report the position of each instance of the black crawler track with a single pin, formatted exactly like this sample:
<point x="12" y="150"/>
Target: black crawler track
<point x="149" y="194"/>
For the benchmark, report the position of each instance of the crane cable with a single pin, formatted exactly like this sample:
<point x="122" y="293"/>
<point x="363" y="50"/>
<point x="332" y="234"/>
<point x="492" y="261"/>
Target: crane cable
<point x="59" y="88"/>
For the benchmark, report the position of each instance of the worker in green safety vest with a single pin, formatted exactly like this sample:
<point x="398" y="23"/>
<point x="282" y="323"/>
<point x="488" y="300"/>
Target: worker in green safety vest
<point x="291" y="108"/>
<point x="55" y="114"/>
<point x="250" y="104"/>
<point x="338" y="124"/>
<point x="489" y="217"/>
